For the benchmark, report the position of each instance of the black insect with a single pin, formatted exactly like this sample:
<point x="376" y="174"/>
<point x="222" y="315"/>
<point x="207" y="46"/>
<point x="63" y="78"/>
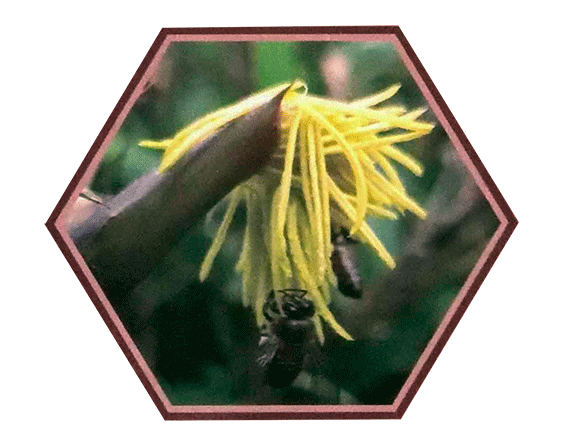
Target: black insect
<point x="287" y="338"/>
<point x="344" y="264"/>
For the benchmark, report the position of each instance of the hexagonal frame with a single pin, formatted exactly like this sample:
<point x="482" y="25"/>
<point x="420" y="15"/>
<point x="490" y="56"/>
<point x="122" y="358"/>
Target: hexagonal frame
<point x="468" y="156"/>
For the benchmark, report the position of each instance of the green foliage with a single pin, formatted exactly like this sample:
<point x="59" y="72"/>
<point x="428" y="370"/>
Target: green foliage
<point x="276" y="62"/>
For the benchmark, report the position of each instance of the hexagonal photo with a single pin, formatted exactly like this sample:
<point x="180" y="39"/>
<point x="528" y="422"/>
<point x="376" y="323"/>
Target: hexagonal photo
<point x="287" y="222"/>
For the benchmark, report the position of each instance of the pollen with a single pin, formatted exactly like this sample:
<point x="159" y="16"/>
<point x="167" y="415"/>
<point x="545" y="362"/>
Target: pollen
<point x="334" y="168"/>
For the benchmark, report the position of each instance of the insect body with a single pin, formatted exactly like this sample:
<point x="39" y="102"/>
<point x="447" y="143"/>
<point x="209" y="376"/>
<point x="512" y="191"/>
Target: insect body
<point x="287" y="335"/>
<point x="344" y="265"/>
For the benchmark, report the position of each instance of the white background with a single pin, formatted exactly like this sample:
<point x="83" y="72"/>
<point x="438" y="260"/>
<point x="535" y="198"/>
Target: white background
<point x="500" y="69"/>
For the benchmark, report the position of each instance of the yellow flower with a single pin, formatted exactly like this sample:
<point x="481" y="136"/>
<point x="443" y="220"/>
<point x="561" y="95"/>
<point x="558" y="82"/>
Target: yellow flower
<point x="333" y="169"/>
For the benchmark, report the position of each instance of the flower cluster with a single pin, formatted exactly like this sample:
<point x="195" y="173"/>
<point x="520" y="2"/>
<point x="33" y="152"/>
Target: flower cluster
<point x="333" y="169"/>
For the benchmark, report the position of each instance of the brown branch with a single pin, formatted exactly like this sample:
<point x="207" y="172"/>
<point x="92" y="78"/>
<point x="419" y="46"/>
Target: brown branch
<point x="126" y="238"/>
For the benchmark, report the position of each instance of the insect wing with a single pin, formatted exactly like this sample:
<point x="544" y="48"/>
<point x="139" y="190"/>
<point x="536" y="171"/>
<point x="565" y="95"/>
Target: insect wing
<point x="268" y="345"/>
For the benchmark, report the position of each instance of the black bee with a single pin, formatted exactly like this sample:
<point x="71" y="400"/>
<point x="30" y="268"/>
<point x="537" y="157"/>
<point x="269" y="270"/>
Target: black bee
<point x="344" y="265"/>
<point x="287" y="336"/>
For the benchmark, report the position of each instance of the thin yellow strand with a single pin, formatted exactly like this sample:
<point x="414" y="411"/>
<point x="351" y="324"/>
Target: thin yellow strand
<point x="306" y="238"/>
<point x="365" y="232"/>
<point x="285" y="187"/>
<point x="302" y="267"/>
<point x="318" y="328"/>
<point x="247" y="258"/>
<point x="400" y="197"/>
<point x="361" y="186"/>
<point x="389" y="170"/>
<point x="305" y="179"/>
<point x="314" y="177"/>
<point x="261" y="296"/>
<point x="330" y="106"/>
<point x="277" y="260"/>
<point x="379" y="142"/>
<point x="325" y="193"/>
<point x="375" y="99"/>
<point x="207" y="263"/>
<point x="402" y="158"/>
<point x="373" y="208"/>
<point x="154" y="144"/>
<point x="362" y="130"/>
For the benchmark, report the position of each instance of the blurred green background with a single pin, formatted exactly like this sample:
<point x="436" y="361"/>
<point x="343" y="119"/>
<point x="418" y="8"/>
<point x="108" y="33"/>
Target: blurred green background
<point x="197" y="338"/>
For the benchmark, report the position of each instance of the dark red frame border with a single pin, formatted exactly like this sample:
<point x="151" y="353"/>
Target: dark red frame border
<point x="394" y="411"/>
